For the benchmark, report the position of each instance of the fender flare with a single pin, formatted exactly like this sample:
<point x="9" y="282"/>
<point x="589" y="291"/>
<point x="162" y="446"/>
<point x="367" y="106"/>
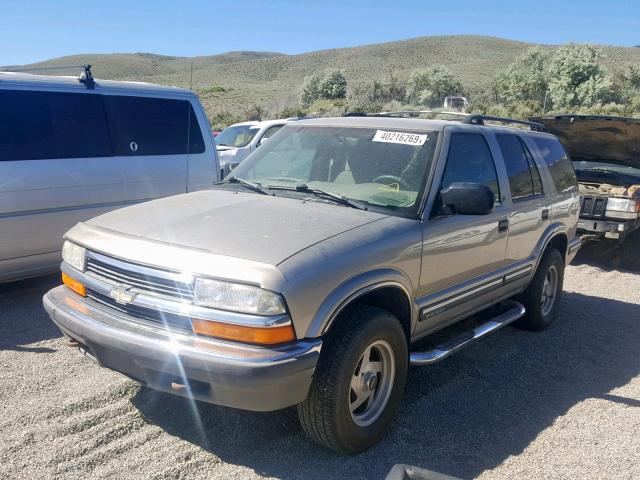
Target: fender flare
<point x="354" y="288"/>
<point x="552" y="231"/>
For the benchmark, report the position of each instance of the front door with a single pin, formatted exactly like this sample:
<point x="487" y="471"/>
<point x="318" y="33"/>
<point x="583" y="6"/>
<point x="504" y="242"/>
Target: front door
<point x="461" y="253"/>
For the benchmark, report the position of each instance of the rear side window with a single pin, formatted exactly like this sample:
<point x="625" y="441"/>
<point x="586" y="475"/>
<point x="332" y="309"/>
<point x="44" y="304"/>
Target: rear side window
<point x="470" y="160"/>
<point x="524" y="178"/>
<point x="564" y="178"/>
<point x="152" y="126"/>
<point x="48" y="125"/>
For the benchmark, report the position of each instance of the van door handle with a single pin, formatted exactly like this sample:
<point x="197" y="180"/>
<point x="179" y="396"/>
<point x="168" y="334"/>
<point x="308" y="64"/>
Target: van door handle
<point x="545" y="214"/>
<point x="503" y="225"/>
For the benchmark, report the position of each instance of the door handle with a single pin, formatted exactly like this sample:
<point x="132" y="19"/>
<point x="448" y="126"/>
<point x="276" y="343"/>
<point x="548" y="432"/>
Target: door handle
<point x="503" y="225"/>
<point x="545" y="214"/>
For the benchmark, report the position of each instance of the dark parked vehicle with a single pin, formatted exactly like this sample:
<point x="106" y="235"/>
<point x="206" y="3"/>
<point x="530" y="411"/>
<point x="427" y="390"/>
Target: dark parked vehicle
<point x="606" y="157"/>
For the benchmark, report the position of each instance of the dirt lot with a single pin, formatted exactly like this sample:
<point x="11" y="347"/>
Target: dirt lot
<point x="560" y="404"/>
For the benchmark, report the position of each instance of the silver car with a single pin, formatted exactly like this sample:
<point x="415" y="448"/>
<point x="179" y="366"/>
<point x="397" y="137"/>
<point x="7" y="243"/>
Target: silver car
<point x="237" y="141"/>
<point x="305" y="276"/>
<point x="71" y="150"/>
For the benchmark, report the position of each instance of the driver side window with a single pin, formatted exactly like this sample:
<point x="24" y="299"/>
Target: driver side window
<point x="470" y="160"/>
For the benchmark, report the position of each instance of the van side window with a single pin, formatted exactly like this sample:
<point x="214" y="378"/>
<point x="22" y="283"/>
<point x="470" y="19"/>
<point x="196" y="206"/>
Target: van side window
<point x="151" y="126"/>
<point x="524" y="178"/>
<point x="562" y="173"/>
<point x="47" y="125"/>
<point x="470" y="160"/>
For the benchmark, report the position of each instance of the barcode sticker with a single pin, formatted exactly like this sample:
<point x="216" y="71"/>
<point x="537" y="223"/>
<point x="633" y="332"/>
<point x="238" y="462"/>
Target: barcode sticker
<point x="400" y="137"/>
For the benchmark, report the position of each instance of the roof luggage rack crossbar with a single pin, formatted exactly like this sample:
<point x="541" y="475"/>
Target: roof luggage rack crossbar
<point x="480" y="119"/>
<point x="85" y="77"/>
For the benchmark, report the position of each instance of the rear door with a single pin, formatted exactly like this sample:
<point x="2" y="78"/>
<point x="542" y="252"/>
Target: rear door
<point x="150" y="136"/>
<point x="530" y="211"/>
<point x="55" y="169"/>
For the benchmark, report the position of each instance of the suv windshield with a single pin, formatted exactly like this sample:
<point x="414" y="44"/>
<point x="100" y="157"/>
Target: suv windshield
<point x="383" y="169"/>
<point x="236" y="136"/>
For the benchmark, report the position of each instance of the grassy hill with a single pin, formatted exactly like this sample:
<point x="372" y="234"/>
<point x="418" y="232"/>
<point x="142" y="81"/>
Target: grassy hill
<point x="233" y="81"/>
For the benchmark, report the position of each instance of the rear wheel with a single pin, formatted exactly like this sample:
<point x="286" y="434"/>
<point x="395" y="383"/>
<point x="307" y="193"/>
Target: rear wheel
<point x="358" y="383"/>
<point x="542" y="296"/>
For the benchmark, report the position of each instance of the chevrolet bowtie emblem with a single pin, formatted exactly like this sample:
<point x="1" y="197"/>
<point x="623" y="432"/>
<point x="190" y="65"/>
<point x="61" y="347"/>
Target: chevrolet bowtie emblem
<point x="122" y="295"/>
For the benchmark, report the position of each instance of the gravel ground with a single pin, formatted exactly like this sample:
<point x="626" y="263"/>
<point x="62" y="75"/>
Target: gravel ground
<point x="564" y="403"/>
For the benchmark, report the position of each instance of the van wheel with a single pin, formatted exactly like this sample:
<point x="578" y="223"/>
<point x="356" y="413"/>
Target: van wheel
<point x="358" y="382"/>
<point x="542" y="296"/>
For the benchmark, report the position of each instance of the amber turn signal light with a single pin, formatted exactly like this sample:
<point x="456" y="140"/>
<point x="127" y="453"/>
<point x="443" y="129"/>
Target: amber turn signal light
<point x="241" y="333"/>
<point x="74" y="285"/>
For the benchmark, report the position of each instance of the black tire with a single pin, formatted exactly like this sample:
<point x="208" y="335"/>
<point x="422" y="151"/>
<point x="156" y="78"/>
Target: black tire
<point x="326" y="414"/>
<point x="539" y="316"/>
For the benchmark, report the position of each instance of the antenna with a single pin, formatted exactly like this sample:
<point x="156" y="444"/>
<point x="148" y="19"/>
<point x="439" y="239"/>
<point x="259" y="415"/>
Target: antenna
<point x="191" y="78"/>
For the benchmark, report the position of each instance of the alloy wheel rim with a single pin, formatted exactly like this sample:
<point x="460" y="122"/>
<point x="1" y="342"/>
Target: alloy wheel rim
<point x="371" y="383"/>
<point x="549" y="290"/>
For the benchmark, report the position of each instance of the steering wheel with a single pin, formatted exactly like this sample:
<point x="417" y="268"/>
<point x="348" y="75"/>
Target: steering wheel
<point x="388" y="179"/>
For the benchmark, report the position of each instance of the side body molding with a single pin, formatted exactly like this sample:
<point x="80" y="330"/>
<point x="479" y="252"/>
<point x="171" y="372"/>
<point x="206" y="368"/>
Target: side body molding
<point x="355" y="287"/>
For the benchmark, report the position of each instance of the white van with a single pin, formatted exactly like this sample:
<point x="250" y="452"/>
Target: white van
<point x="72" y="149"/>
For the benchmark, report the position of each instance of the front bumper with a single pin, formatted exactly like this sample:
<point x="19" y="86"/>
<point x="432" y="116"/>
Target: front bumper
<point x="214" y="371"/>
<point x="614" y="229"/>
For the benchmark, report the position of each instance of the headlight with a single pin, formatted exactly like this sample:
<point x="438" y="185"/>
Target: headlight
<point x="237" y="297"/>
<point x="627" y="205"/>
<point x="74" y="255"/>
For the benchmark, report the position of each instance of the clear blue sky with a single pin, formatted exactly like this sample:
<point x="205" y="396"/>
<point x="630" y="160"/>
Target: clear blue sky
<point x="32" y="30"/>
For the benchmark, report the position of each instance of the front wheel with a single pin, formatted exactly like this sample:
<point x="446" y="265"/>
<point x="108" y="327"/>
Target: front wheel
<point x="358" y="382"/>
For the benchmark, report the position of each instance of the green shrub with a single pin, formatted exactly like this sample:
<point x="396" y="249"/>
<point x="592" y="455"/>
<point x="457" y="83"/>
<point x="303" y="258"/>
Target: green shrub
<point x="221" y="120"/>
<point x="212" y="89"/>
<point x="334" y="85"/>
<point x="255" y="113"/>
<point x="430" y="87"/>
<point x="577" y="78"/>
<point x="310" y="91"/>
<point x="525" y="79"/>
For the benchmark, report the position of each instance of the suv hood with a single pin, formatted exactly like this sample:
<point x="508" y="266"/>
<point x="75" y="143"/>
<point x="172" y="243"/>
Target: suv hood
<point x="251" y="226"/>
<point x="613" y="140"/>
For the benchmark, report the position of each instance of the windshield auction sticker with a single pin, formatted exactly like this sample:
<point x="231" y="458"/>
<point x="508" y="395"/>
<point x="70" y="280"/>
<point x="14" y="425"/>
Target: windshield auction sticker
<point x="400" y="137"/>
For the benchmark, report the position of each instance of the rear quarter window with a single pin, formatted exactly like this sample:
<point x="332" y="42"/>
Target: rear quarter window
<point x="559" y="163"/>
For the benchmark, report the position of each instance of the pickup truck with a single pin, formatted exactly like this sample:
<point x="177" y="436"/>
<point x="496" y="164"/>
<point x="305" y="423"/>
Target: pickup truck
<point x="606" y="156"/>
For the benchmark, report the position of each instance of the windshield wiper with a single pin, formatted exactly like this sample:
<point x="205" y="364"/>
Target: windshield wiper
<point x="304" y="188"/>
<point x="256" y="187"/>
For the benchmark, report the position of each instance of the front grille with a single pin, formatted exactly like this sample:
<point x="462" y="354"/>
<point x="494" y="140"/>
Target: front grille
<point x="164" y="318"/>
<point x="142" y="279"/>
<point x="587" y="206"/>
<point x="593" y="207"/>
<point x="599" y="207"/>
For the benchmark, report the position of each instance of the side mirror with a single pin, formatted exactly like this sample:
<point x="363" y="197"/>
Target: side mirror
<point x="262" y="141"/>
<point x="468" y="198"/>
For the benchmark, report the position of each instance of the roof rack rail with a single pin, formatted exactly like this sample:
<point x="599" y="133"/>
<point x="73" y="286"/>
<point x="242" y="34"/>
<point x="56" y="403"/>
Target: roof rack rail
<point x="410" y="113"/>
<point x="85" y="76"/>
<point x="405" y="113"/>
<point x="480" y="119"/>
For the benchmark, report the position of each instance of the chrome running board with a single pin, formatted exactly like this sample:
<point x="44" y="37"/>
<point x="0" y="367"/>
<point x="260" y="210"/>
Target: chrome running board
<point x="514" y="311"/>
